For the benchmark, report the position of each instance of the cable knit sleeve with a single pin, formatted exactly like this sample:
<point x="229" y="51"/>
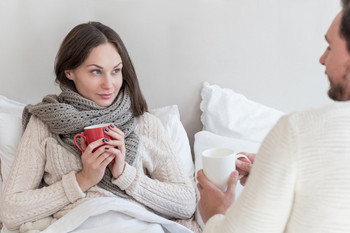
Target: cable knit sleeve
<point x="22" y="199"/>
<point x="160" y="183"/>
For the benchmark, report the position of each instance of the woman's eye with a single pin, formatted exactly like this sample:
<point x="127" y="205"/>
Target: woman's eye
<point x="116" y="71"/>
<point x="96" y="72"/>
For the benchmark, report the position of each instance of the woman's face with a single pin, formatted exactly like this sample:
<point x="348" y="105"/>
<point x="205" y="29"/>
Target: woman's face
<point x="99" y="77"/>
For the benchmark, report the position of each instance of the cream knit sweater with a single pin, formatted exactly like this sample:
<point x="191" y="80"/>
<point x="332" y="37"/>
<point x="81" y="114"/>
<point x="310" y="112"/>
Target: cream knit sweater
<point x="156" y="180"/>
<point x="300" y="181"/>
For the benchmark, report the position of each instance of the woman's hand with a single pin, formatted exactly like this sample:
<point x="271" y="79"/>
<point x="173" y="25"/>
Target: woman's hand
<point x="94" y="163"/>
<point x="243" y="166"/>
<point x="118" y="149"/>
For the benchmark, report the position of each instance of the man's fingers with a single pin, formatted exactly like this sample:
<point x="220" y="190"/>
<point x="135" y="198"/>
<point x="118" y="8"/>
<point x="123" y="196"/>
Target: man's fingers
<point x="199" y="186"/>
<point x="232" y="182"/>
<point x="203" y="180"/>
<point x="243" y="180"/>
<point x="244" y="160"/>
<point x="243" y="165"/>
<point x="201" y="177"/>
<point x="241" y="172"/>
<point x="251" y="156"/>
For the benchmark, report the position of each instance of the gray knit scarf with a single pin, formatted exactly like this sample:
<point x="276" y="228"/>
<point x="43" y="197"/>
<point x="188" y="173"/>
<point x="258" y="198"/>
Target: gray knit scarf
<point x="68" y="114"/>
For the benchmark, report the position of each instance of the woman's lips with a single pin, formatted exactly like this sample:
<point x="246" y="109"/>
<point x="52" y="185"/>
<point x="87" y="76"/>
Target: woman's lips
<point x="105" y="96"/>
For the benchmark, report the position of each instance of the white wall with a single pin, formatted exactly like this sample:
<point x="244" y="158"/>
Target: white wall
<point x="265" y="49"/>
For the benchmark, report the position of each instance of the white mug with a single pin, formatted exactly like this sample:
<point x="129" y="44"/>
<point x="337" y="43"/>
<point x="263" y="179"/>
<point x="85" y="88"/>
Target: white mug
<point x="218" y="164"/>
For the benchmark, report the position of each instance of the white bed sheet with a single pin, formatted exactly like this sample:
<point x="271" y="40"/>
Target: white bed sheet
<point x="114" y="215"/>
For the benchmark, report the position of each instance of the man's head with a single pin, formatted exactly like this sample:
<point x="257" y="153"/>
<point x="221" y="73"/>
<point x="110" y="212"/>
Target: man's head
<point x="336" y="58"/>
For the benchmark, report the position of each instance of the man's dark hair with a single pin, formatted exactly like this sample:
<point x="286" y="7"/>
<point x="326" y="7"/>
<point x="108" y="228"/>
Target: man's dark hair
<point x="345" y="23"/>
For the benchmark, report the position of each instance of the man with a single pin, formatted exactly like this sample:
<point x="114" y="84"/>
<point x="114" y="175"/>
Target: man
<point x="300" y="180"/>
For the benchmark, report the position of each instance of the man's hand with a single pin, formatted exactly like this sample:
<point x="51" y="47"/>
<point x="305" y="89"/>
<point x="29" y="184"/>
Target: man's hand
<point x="243" y="166"/>
<point x="212" y="199"/>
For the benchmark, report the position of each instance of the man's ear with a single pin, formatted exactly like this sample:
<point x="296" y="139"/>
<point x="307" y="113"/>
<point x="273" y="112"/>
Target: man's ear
<point x="68" y="74"/>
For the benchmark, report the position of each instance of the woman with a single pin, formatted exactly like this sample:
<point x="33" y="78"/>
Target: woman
<point x="50" y="176"/>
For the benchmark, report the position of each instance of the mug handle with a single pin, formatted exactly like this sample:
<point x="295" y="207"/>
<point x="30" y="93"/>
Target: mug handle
<point x="241" y="156"/>
<point x="75" y="140"/>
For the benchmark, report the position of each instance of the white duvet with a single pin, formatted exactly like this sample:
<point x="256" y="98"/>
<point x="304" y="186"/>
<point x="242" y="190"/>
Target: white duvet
<point x="107" y="214"/>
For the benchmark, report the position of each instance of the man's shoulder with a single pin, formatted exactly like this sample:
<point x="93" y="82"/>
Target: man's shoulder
<point x="329" y="112"/>
<point x="341" y="107"/>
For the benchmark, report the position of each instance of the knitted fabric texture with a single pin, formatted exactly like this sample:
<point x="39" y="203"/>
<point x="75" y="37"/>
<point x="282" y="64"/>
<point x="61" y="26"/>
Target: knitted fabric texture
<point x="68" y="114"/>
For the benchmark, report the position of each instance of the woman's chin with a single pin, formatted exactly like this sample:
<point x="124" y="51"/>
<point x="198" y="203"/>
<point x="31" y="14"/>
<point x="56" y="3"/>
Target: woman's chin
<point x="104" y="103"/>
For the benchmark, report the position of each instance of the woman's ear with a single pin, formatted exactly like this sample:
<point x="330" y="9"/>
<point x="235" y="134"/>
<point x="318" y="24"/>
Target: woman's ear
<point x="68" y="74"/>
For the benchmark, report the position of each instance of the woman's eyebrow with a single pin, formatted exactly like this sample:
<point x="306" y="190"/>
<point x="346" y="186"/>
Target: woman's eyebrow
<point x="118" y="65"/>
<point x="100" y="67"/>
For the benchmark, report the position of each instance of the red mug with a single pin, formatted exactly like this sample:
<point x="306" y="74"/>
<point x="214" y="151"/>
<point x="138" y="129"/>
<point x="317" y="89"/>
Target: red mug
<point x="93" y="133"/>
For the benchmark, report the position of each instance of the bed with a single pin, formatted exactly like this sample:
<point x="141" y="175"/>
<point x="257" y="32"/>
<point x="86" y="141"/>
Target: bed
<point x="219" y="130"/>
<point x="195" y="70"/>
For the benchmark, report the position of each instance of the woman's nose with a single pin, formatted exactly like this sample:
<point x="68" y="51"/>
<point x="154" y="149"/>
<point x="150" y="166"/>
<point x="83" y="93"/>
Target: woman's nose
<point x="107" y="82"/>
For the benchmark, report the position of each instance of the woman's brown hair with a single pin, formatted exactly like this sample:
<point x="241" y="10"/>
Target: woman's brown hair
<point x="77" y="46"/>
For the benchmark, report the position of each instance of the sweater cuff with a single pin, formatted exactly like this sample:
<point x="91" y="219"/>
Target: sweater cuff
<point x="126" y="178"/>
<point x="214" y="223"/>
<point x="71" y="187"/>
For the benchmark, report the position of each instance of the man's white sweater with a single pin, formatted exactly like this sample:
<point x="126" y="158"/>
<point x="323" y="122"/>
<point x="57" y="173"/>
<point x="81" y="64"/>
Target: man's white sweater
<point x="300" y="181"/>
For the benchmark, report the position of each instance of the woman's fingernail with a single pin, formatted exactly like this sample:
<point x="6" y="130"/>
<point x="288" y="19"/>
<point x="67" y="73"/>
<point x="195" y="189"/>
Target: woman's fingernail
<point x="106" y="148"/>
<point x="106" y="129"/>
<point x="106" y="140"/>
<point x="112" y="125"/>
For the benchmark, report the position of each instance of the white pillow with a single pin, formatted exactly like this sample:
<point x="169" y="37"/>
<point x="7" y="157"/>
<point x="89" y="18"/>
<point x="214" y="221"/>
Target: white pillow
<point x="230" y="114"/>
<point x="204" y="140"/>
<point x="11" y="132"/>
<point x="231" y="120"/>
<point x="170" y="117"/>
